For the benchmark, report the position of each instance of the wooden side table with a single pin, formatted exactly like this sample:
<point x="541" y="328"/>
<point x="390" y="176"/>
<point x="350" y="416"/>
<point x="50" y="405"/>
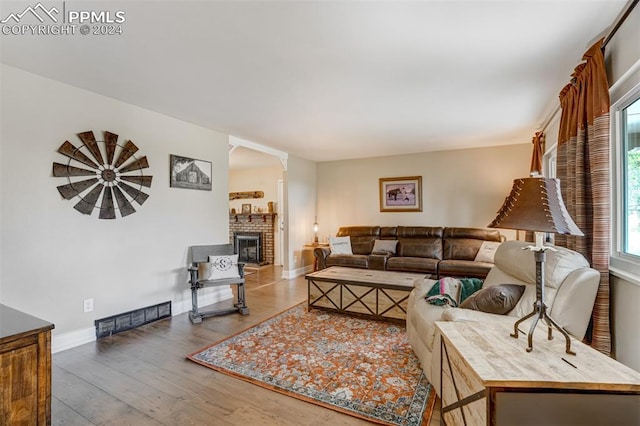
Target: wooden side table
<point x="25" y="368"/>
<point x="313" y="246"/>
<point x="488" y="378"/>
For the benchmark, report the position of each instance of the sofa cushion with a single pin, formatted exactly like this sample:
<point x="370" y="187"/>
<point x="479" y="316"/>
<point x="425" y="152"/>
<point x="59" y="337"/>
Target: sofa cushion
<point x="419" y="241"/>
<point x="388" y="232"/>
<point x="420" y="247"/>
<point x="419" y="232"/>
<point x="340" y="245"/>
<point x="498" y="299"/>
<point x="384" y="246"/>
<point x="413" y="264"/>
<point x="349" y="260"/>
<point x="362" y="237"/>
<point x="472" y="233"/>
<point x="464" y="243"/>
<point x="378" y="261"/>
<point x="460" y="249"/>
<point x="463" y="268"/>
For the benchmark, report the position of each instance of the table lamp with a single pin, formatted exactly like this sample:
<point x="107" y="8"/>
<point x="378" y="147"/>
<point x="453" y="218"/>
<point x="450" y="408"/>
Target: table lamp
<point x="315" y="231"/>
<point x="535" y="204"/>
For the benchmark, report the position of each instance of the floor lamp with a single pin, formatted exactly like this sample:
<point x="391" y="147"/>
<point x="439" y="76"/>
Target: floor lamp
<point x="535" y="204"/>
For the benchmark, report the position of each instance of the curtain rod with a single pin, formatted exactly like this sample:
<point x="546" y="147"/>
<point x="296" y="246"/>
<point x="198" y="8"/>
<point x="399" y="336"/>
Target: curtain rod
<point x="619" y="20"/>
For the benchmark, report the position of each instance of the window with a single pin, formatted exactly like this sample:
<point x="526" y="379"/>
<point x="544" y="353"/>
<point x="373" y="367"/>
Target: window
<point x="630" y="138"/>
<point x="625" y="208"/>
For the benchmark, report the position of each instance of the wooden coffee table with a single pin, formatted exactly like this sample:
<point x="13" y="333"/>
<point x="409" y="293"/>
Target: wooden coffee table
<point x="377" y="294"/>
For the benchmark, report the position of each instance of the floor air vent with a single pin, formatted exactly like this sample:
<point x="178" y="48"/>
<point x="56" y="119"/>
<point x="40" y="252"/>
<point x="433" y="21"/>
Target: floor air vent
<point x="132" y="319"/>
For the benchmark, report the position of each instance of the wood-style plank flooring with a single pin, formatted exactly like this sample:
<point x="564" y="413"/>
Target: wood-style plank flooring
<point x="141" y="376"/>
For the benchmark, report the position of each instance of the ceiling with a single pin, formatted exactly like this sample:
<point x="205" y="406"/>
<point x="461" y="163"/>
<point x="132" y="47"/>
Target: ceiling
<point x="331" y="80"/>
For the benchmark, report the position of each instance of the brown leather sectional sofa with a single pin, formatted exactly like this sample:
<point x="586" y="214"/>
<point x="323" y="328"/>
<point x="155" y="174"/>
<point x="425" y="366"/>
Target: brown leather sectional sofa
<point x="439" y="251"/>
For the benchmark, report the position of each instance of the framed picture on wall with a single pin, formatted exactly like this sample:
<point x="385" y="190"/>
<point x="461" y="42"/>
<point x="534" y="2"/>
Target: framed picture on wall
<point x="189" y="173"/>
<point x="246" y="209"/>
<point x="401" y="194"/>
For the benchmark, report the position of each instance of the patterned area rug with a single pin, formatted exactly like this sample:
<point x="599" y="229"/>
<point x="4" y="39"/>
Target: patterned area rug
<point x="361" y="367"/>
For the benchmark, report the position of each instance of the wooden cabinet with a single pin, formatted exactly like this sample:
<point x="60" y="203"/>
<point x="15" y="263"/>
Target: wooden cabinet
<point x="488" y="378"/>
<point x="25" y="369"/>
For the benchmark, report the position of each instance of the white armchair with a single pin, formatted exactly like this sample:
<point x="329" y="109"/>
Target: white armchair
<point x="570" y="291"/>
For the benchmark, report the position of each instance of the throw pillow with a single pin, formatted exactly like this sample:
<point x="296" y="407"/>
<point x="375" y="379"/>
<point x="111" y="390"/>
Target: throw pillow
<point x="487" y="251"/>
<point x="219" y="267"/>
<point x="384" y="246"/>
<point x="498" y="299"/>
<point x="340" y="245"/>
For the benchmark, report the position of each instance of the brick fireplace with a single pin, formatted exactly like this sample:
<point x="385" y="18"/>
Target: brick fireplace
<point x="262" y="224"/>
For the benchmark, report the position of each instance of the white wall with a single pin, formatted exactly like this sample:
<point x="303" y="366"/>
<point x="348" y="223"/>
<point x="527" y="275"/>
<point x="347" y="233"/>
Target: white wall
<point x="300" y="208"/>
<point x="260" y="179"/>
<point x="459" y="187"/>
<point x="623" y="63"/>
<point x="625" y="319"/>
<point x="53" y="257"/>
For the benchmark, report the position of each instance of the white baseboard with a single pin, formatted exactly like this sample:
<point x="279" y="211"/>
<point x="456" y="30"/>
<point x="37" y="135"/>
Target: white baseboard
<point x="71" y="339"/>
<point x="288" y="275"/>
<point x="204" y="298"/>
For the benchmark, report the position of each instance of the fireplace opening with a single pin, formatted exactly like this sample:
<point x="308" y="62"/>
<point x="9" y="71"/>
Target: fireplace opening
<point x="248" y="245"/>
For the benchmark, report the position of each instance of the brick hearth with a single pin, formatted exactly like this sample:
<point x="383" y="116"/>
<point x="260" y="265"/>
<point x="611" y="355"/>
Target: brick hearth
<point x="256" y="222"/>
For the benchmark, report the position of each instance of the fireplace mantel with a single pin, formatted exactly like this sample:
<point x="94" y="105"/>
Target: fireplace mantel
<point x="250" y="217"/>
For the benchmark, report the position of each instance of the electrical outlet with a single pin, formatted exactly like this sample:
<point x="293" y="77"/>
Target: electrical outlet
<point x="88" y="305"/>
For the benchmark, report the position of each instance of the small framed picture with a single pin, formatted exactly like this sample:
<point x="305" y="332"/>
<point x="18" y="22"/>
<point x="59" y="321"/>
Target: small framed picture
<point x="401" y="194"/>
<point x="189" y="173"/>
<point x="246" y="209"/>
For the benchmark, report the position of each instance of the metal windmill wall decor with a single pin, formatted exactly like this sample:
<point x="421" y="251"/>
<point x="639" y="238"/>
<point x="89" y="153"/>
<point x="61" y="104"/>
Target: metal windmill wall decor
<point x="108" y="175"/>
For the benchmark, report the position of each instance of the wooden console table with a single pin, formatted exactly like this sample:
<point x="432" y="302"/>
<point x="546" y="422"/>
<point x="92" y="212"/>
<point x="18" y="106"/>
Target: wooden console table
<point x="488" y="378"/>
<point x="25" y="369"/>
<point x="379" y="294"/>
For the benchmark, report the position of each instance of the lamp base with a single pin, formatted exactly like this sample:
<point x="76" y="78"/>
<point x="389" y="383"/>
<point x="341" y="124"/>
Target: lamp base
<point x="541" y="311"/>
<point x="539" y="307"/>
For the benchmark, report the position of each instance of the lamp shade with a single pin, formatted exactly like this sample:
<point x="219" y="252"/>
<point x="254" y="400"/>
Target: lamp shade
<point x="535" y="204"/>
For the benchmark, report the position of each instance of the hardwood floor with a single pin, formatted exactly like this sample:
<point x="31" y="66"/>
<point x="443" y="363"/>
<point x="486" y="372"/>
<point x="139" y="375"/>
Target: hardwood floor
<point x="141" y="376"/>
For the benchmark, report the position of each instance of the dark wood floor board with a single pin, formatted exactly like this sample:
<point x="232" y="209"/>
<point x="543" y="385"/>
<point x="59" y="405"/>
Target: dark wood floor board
<point x="142" y="376"/>
<point x="183" y="383"/>
<point x="146" y="399"/>
<point x="89" y="402"/>
<point x="65" y="415"/>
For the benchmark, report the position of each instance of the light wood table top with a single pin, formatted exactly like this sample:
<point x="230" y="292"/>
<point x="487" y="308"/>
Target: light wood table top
<point x="500" y="360"/>
<point x="367" y="277"/>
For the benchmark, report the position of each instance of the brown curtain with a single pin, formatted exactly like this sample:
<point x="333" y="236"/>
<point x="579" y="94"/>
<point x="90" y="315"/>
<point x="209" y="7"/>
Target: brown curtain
<point x="536" y="156"/>
<point x="583" y="169"/>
